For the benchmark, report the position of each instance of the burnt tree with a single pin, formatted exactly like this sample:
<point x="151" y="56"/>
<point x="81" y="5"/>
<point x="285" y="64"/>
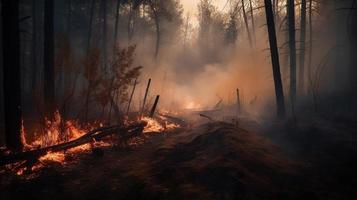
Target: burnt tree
<point x="245" y="18"/>
<point x="11" y="72"/>
<point x="302" y="47"/>
<point x="89" y="37"/>
<point x="103" y="10"/>
<point x="353" y="47"/>
<point x="49" y="74"/>
<point x="275" y="59"/>
<point x="292" y="49"/>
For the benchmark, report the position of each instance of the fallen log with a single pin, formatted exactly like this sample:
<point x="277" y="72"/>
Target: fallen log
<point x="207" y="117"/>
<point x="96" y="134"/>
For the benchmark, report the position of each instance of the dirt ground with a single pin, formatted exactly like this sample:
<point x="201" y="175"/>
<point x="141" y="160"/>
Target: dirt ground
<point x="214" y="160"/>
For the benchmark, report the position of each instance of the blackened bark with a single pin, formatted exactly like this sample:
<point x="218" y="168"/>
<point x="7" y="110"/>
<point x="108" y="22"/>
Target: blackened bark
<point x="103" y="8"/>
<point x="246" y="24"/>
<point x="116" y="24"/>
<point x="92" y="5"/>
<point x="11" y="71"/>
<point x="310" y="45"/>
<point x="34" y="46"/>
<point x="353" y="48"/>
<point x="302" y="47"/>
<point x="253" y="20"/>
<point x="275" y="59"/>
<point x="292" y="50"/>
<point x="49" y="83"/>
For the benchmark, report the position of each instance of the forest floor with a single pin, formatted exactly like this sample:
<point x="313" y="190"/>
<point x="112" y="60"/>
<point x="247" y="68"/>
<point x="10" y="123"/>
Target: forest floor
<point x="212" y="160"/>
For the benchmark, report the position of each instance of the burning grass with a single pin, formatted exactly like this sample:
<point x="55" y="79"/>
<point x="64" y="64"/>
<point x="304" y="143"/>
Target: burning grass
<point x="58" y="133"/>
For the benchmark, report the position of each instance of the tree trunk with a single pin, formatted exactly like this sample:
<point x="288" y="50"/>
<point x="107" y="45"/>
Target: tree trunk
<point x="116" y="25"/>
<point x="275" y="59"/>
<point x="353" y="48"/>
<point x="302" y="47"/>
<point x="310" y="45"/>
<point x="12" y="74"/>
<point x="103" y="8"/>
<point x="246" y="25"/>
<point x="34" y="46"/>
<point x="49" y="84"/>
<point x="253" y="21"/>
<point x="92" y="5"/>
<point x="292" y="50"/>
<point x="158" y="35"/>
<point x="69" y="18"/>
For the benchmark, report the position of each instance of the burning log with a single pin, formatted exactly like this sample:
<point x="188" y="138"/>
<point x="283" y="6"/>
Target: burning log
<point x="96" y="134"/>
<point x="154" y="106"/>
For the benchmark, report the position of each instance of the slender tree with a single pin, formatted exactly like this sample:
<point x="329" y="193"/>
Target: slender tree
<point x="117" y="12"/>
<point x="275" y="59"/>
<point x="49" y="77"/>
<point x="253" y="20"/>
<point x="90" y="25"/>
<point x="103" y="8"/>
<point x="353" y="47"/>
<point x="154" y="6"/>
<point x="245" y="18"/>
<point x="292" y="50"/>
<point x="34" y="45"/>
<point x="310" y="43"/>
<point x="302" y="47"/>
<point x="11" y="72"/>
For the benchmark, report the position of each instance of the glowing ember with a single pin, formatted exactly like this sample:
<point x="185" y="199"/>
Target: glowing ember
<point x="152" y="125"/>
<point x="56" y="157"/>
<point x="155" y="126"/>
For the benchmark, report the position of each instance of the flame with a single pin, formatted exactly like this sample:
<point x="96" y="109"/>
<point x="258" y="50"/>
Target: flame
<point x="152" y="125"/>
<point x="155" y="126"/>
<point x="53" y="156"/>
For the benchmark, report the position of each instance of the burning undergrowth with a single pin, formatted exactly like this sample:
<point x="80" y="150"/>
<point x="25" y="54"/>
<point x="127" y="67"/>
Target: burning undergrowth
<point x="62" y="140"/>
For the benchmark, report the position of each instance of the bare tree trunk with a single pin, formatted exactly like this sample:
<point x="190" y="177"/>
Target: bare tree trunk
<point x="275" y="59"/>
<point x="158" y="35"/>
<point x="49" y="77"/>
<point x="116" y="25"/>
<point x="103" y="8"/>
<point x="246" y="24"/>
<point x="12" y="74"/>
<point x="292" y="51"/>
<point x="310" y="44"/>
<point x="302" y="47"/>
<point x="353" y="48"/>
<point x="92" y="5"/>
<point x="253" y="21"/>
<point x="34" y="45"/>
<point x="69" y="18"/>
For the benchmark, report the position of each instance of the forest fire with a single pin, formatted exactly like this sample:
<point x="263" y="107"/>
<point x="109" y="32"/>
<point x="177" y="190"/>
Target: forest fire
<point x="59" y="132"/>
<point x="157" y="126"/>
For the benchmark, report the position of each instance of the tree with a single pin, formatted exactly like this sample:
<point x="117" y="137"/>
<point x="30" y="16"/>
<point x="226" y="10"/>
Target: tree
<point x="34" y="45"/>
<point x="11" y="71"/>
<point x="302" y="46"/>
<point x="49" y="77"/>
<point x="353" y="47"/>
<point x="92" y="6"/>
<point x="103" y="10"/>
<point x="245" y="18"/>
<point x="275" y="59"/>
<point x="117" y="10"/>
<point x="292" y="50"/>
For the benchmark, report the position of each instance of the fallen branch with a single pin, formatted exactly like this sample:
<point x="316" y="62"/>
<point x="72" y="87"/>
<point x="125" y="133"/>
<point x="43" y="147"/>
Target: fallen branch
<point x="96" y="134"/>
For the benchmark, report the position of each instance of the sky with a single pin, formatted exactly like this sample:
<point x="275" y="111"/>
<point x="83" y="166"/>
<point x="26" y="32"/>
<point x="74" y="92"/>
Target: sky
<point x="191" y="5"/>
